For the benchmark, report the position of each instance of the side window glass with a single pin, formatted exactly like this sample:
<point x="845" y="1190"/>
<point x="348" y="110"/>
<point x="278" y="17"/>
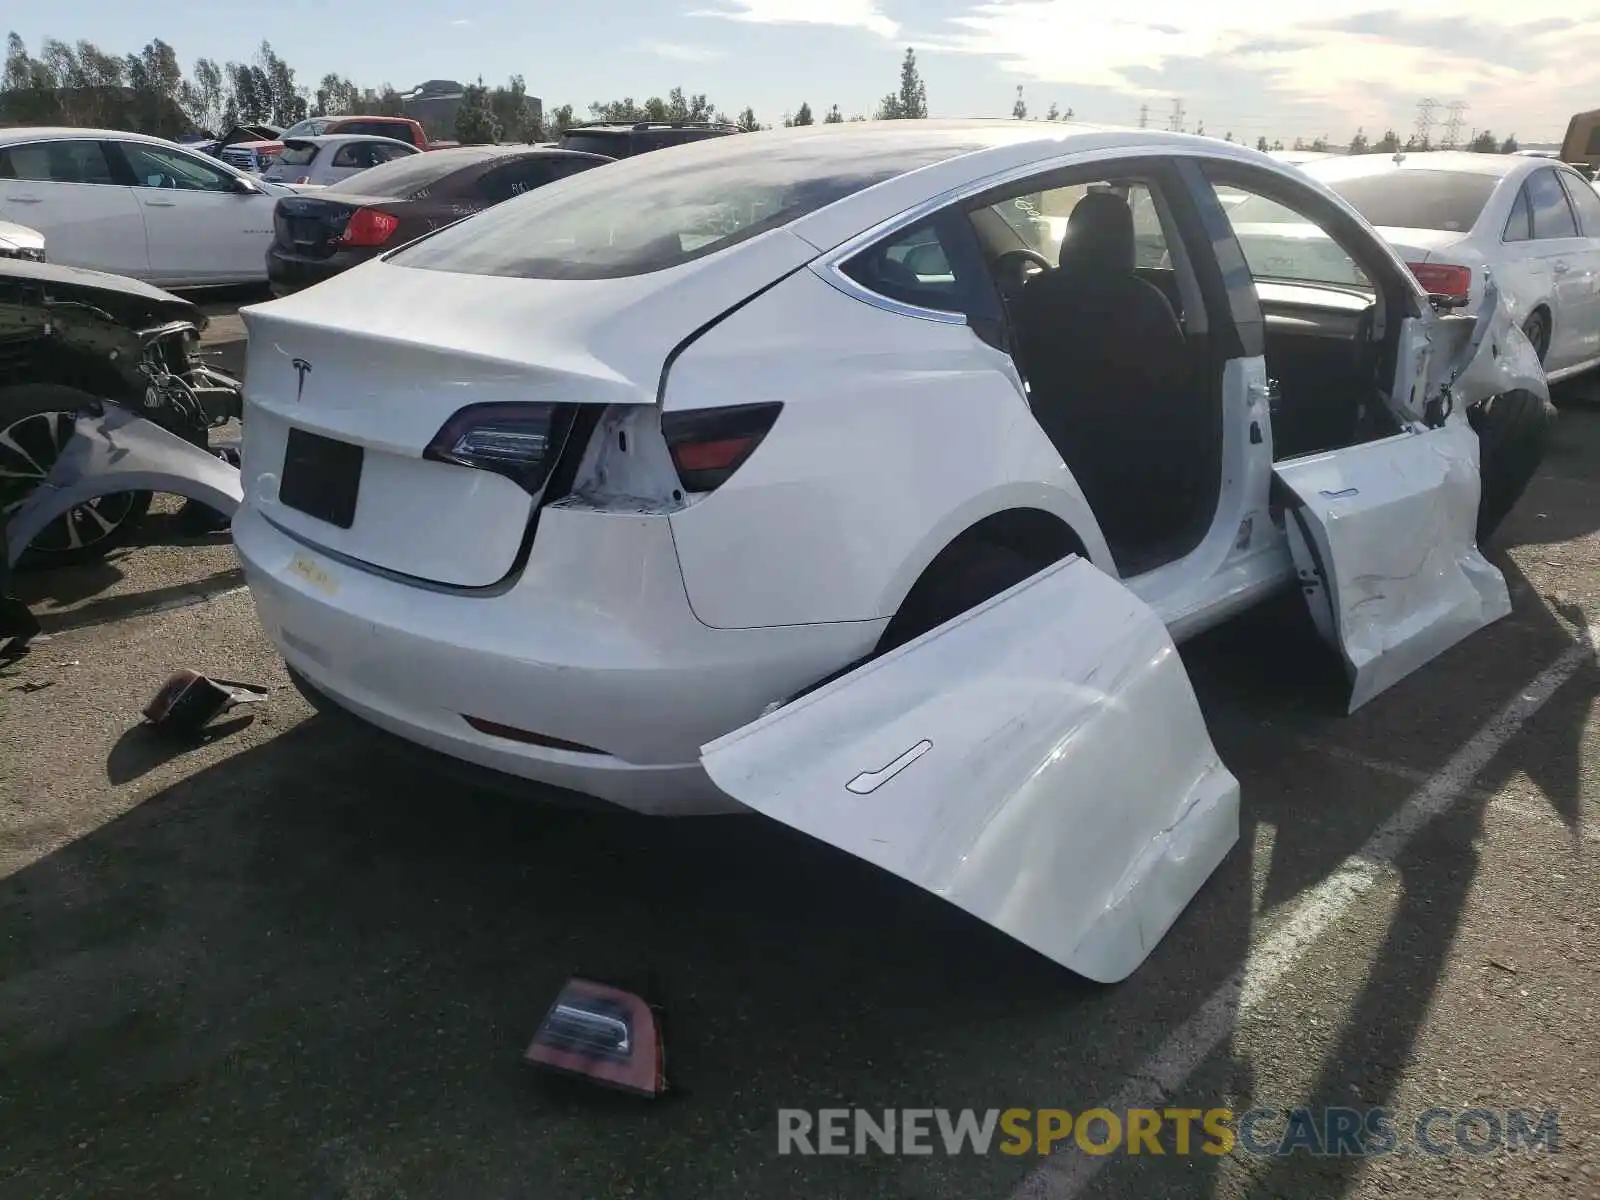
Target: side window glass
<point x="30" y="163"/>
<point x="356" y="154"/>
<point x="58" y="162"/>
<point x="1282" y="244"/>
<point x="912" y="267"/>
<point x="1040" y="220"/>
<point x="1586" y="202"/>
<point x="1519" y="225"/>
<point x="158" y="167"/>
<point x="1552" y="215"/>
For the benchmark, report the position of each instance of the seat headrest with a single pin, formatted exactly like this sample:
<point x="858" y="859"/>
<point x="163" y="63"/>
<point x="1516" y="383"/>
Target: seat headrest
<point x="1099" y="235"/>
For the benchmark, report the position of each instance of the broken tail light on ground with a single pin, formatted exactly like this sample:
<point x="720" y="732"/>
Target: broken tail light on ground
<point x="603" y="1034"/>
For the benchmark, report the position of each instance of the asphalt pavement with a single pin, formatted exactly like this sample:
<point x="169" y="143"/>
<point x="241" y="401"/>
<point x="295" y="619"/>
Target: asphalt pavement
<point x="297" y="959"/>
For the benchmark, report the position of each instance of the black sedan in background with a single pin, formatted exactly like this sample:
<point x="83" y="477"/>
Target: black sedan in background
<point x="319" y="233"/>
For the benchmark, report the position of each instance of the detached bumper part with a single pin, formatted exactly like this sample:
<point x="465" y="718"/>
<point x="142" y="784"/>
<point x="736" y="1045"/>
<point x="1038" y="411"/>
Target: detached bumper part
<point x="603" y="1034"/>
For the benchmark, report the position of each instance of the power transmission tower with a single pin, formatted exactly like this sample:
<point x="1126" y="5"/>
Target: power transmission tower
<point x="1452" y="126"/>
<point x="1176" y="125"/>
<point x="1425" y="108"/>
<point x="1144" y="116"/>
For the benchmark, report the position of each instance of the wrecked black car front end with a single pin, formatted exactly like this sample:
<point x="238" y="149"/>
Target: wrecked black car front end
<point x="71" y="343"/>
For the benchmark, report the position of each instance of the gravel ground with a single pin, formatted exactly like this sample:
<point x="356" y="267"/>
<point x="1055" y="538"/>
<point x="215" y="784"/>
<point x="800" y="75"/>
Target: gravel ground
<point x="297" y="960"/>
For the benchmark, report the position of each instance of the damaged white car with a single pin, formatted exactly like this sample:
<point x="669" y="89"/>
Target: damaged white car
<point x="864" y="476"/>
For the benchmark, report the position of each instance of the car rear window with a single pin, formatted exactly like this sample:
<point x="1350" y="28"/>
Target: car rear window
<point x="297" y="154"/>
<point x="613" y="143"/>
<point x="407" y="176"/>
<point x="655" y="211"/>
<point x="1446" y="200"/>
<point x="398" y="130"/>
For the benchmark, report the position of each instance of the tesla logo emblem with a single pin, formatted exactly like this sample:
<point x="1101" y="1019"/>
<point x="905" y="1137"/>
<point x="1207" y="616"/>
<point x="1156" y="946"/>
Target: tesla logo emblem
<point x="301" y="368"/>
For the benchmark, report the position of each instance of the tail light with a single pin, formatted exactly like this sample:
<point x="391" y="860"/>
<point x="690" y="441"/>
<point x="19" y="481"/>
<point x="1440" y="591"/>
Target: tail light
<point x="369" y="227"/>
<point x="519" y="441"/>
<point x="1440" y="279"/>
<point x="709" y="444"/>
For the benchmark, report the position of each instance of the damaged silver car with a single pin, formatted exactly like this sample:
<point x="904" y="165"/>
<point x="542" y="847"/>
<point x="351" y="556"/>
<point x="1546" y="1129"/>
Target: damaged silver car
<point x="104" y="400"/>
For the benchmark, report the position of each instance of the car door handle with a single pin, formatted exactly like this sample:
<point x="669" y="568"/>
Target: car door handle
<point x="23" y="199"/>
<point x="1344" y="495"/>
<point x="1560" y="268"/>
<point x="161" y="204"/>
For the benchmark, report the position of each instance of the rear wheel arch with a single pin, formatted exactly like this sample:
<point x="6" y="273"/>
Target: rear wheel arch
<point x="1542" y="312"/>
<point x="983" y="560"/>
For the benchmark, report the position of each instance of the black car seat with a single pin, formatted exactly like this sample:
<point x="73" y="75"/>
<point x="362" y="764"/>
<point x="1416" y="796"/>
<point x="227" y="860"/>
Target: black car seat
<point x="1107" y="367"/>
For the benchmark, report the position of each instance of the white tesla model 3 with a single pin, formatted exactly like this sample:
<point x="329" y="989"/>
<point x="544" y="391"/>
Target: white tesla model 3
<point x="864" y="476"/>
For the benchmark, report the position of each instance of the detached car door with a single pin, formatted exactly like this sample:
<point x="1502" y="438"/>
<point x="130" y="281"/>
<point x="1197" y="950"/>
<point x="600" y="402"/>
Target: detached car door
<point x="199" y="225"/>
<point x="1383" y="531"/>
<point x="1040" y="762"/>
<point x="71" y="191"/>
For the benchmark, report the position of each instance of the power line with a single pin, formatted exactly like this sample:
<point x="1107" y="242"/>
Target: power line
<point x="1176" y="125"/>
<point x="1452" y="128"/>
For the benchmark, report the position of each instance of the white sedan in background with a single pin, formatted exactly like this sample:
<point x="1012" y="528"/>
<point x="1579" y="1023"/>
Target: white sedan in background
<point x="791" y="473"/>
<point x="139" y="206"/>
<point x="328" y="158"/>
<point x="1533" y="223"/>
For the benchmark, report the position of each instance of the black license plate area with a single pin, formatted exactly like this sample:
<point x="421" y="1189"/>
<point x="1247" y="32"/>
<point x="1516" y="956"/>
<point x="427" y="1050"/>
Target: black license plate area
<point x="321" y="477"/>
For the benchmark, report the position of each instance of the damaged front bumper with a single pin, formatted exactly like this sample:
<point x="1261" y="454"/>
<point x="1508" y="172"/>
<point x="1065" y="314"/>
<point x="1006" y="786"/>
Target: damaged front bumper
<point x="115" y="450"/>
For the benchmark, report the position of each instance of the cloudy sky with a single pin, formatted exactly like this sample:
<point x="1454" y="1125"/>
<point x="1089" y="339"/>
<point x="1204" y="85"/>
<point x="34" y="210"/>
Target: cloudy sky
<point x="1283" y="69"/>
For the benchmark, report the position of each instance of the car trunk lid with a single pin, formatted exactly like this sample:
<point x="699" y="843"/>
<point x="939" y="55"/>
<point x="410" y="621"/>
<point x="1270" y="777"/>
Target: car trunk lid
<point x="381" y="357"/>
<point x="1422" y="245"/>
<point x="310" y="226"/>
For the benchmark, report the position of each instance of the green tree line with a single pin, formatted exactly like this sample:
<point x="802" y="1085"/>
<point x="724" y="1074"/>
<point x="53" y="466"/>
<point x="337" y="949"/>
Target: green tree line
<point x="80" y="84"/>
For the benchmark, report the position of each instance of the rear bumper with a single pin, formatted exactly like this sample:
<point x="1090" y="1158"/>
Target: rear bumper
<point x="288" y="273"/>
<point x="593" y="644"/>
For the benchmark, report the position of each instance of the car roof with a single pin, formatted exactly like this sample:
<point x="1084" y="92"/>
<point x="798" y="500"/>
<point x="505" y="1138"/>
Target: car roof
<point x="979" y="148"/>
<point x="335" y="139"/>
<point x="643" y="126"/>
<point x="39" y="132"/>
<point x="1459" y="162"/>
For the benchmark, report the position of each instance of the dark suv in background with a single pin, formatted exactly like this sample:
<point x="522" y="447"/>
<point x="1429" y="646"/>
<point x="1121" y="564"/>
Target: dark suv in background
<point x="621" y="140"/>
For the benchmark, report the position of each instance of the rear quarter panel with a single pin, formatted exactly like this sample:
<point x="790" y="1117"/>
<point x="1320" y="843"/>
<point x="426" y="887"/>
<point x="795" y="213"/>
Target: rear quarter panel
<point x="896" y="435"/>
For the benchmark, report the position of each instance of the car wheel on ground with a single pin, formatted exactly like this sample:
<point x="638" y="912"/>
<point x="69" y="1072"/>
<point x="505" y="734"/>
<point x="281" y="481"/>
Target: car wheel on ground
<point x="1513" y="433"/>
<point x="36" y="419"/>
